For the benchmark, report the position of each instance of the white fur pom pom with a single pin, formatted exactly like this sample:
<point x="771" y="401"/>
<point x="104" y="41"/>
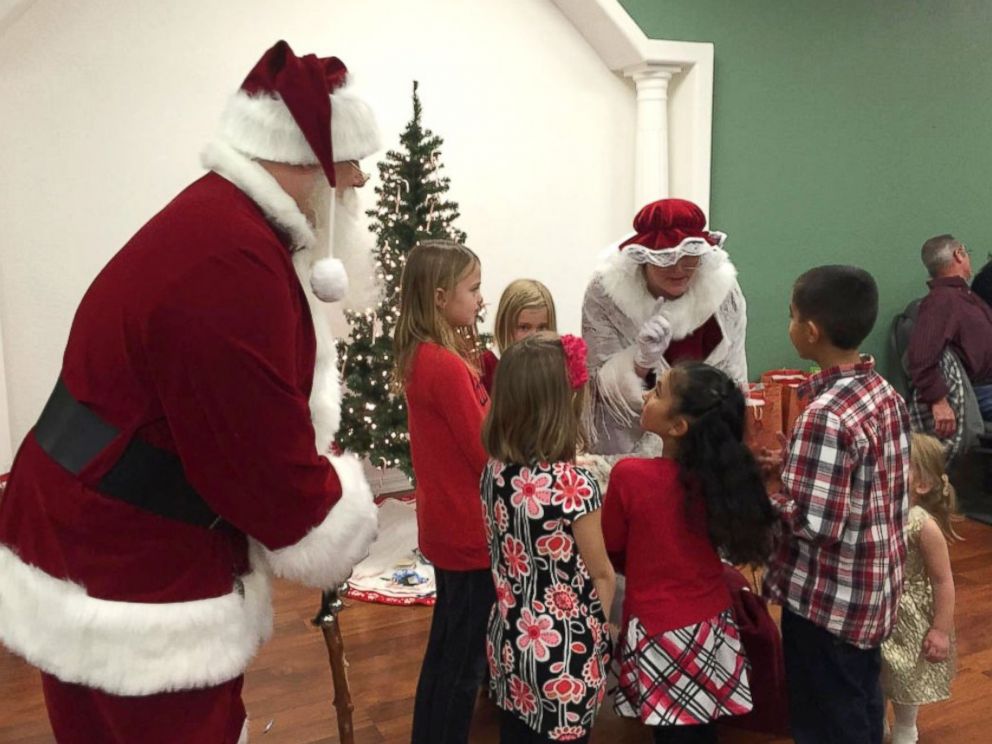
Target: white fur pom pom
<point x="329" y="280"/>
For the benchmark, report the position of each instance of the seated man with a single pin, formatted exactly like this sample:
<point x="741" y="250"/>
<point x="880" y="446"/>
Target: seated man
<point x="950" y="316"/>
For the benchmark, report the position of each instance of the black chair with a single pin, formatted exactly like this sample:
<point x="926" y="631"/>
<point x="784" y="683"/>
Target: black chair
<point x="902" y="330"/>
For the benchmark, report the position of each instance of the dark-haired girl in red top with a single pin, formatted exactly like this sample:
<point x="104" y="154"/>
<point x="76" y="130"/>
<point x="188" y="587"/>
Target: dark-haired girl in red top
<point x="682" y="665"/>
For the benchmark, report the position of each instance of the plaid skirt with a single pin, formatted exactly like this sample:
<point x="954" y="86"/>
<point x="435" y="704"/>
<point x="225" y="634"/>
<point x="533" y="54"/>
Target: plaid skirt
<point x="690" y="675"/>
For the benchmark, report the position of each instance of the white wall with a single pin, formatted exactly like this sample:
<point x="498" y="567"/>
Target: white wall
<point x="107" y="104"/>
<point x="6" y="446"/>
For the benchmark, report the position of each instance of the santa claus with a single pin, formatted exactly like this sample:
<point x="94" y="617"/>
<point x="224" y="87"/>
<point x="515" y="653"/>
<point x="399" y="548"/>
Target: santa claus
<point x="174" y="469"/>
<point x="668" y="293"/>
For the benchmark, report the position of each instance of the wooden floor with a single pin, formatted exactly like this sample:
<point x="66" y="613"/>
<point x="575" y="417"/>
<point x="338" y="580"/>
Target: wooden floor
<point x="288" y="687"/>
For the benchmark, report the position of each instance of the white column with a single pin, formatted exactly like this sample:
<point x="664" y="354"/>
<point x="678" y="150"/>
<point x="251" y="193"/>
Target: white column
<point x="651" y="163"/>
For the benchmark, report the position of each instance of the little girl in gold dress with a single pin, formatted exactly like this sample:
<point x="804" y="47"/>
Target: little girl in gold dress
<point x="918" y="658"/>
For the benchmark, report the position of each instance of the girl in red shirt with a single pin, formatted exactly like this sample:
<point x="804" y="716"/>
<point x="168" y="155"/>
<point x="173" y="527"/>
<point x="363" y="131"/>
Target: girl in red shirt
<point x="666" y="521"/>
<point x="525" y="308"/>
<point x="434" y="346"/>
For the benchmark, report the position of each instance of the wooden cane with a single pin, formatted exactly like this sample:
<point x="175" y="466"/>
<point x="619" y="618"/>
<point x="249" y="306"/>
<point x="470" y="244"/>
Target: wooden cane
<point x="327" y="620"/>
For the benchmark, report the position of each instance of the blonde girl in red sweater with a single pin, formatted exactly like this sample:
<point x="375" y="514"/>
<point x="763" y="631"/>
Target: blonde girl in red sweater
<point x="434" y="347"/>
<point x="525" y="308"/>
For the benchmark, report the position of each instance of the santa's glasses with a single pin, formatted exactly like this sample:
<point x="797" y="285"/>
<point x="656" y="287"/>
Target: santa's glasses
<point x="361" y="176"/>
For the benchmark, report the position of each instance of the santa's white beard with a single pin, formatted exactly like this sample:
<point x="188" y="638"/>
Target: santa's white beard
<point x="318" y="210"/>
<point x="351" y="243"/>
<point x="341" y="230"/>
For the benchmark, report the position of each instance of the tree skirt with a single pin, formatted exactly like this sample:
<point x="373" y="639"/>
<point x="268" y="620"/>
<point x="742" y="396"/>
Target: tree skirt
<point x="395" y="572"/>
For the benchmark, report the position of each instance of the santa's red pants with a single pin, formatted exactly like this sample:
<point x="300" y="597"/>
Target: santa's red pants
<point x="82" y="715"/>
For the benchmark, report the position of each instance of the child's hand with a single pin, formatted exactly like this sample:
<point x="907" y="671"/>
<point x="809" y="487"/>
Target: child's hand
<point x="936" y="645"/>
<point x="770" y="462"/>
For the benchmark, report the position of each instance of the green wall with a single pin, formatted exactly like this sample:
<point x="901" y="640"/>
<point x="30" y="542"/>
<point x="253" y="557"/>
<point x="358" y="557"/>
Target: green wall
<point x="844" y="131"/>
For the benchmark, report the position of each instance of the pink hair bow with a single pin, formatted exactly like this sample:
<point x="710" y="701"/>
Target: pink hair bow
<point x="575" y="360"/>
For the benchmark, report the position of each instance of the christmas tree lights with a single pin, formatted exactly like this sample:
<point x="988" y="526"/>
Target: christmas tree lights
<point x="411" y="205"/>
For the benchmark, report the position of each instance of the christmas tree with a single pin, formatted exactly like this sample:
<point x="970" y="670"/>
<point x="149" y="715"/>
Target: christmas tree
<point x="411" y="206"/>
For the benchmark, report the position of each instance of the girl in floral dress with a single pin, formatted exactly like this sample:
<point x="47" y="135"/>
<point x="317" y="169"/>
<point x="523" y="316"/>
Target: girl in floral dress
<point x="547" y="643"/>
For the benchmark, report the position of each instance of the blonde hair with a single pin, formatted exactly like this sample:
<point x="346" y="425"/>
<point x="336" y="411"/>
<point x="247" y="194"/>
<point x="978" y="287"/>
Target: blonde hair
<point x="940" y="500"/>
<point x="535" y="416"/>
<point x="431" y="265"/>
<point x="520" y="295"/>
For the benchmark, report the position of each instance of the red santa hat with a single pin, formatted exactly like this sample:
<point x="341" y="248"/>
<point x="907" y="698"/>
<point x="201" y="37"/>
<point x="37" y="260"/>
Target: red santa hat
<point x="668" y="229"/>
<point x="297" y="110"/>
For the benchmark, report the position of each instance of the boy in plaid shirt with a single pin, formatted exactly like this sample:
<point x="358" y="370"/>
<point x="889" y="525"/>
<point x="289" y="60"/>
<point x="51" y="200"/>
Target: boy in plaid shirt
<point x="842" y="499"/>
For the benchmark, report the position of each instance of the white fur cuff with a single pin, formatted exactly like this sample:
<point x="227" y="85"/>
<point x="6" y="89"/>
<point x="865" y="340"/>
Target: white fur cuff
<point x="130" y="648"/>
<point x="325" y="557"/>
<point x="618" y="385"/>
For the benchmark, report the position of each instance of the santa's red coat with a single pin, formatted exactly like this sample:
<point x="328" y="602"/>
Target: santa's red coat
<point x="196" y="338"/>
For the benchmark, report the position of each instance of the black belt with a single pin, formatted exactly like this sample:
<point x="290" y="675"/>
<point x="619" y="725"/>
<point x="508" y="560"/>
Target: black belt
<point x="144" y="476"/>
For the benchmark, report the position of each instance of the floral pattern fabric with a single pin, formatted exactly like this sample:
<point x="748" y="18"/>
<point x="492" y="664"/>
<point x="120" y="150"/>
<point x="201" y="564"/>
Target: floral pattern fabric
<point x="547" y="643"/>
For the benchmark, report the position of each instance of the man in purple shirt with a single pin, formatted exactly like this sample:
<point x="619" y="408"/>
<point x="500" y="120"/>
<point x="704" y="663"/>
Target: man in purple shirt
<point x="951" y="315"/>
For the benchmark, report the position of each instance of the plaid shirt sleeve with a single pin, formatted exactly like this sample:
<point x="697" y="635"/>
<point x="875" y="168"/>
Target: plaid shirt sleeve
<point x="816" y="479"/>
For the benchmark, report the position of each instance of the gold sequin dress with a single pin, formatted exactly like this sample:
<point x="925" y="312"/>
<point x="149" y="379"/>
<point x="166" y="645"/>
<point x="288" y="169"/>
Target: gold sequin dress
<point x="907" y="677"/>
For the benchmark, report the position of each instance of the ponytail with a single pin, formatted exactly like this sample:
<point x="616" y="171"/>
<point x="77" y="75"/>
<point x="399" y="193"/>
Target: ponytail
<point x="940" y="499"/>
<point x="715" y="465"/>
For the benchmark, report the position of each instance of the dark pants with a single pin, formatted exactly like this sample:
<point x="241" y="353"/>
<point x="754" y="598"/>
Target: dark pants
<point x="703" y="734"/>
<point x="834" y="691"/>
<point x="512" y="730"/>
<point x="455" y="660"/>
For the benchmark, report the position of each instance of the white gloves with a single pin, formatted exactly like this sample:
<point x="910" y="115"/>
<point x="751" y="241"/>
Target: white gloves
<point x="652" y="342"/>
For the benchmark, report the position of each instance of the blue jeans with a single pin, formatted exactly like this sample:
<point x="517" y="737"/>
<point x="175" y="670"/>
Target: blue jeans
<point x="984" y="395"/>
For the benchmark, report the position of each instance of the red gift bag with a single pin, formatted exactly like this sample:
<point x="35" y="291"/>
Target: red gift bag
<point x="762" y="417"/>
<point x="762" y="644"/>
<point x="792" y="402"/>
